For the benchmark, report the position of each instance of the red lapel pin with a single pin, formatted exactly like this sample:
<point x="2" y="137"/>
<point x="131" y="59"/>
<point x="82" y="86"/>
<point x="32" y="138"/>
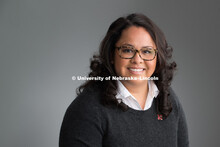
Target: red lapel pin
<point x="159" y="117"/>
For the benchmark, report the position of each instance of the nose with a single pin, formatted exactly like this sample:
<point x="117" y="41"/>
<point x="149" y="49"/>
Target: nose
<point x="137" y="58"/>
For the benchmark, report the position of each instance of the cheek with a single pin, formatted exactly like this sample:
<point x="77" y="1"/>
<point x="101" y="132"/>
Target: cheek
<point x="119" y="65"/>
<point x="151" y="65"/>
<point x="154" y="63"/>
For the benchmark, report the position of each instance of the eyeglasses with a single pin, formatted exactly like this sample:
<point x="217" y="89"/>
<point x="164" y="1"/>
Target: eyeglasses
<point x="128" y="52"/>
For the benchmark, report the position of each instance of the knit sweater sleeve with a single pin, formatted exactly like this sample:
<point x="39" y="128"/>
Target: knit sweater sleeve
<point x="182" y="132"/>
<point x="82" y="124"/>
<point x="182" y="129"/>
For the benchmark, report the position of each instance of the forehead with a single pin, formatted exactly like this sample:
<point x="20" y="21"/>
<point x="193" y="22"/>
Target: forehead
<point x="136" y="36"/>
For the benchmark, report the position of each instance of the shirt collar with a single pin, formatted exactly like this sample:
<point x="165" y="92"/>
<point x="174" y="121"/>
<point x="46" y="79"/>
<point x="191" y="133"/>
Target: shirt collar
<point x="153" y="90"/>
<point x="122" y="91"/>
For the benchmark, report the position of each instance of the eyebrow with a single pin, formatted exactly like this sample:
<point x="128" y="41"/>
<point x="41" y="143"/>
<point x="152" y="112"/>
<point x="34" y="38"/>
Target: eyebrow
<point x="134" y="47"/>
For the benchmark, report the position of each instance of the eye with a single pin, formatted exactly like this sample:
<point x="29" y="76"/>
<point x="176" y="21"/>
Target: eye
<point x="148" y="51"/>
<point x="127" y="50"/>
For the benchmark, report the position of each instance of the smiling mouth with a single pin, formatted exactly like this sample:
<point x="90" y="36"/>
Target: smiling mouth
<point x="136" y="71"/>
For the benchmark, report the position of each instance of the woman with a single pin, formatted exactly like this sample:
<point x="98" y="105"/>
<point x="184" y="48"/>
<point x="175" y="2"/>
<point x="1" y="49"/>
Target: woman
<point x="131" y="111"/>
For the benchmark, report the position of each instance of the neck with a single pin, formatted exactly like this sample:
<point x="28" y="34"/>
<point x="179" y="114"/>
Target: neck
<point x="139" y="91"/>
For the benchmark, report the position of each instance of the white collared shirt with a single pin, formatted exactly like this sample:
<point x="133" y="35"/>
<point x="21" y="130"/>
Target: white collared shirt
<point x="126" y="97"/>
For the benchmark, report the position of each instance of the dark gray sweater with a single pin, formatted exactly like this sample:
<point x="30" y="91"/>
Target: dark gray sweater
<point x="88" y="123"/>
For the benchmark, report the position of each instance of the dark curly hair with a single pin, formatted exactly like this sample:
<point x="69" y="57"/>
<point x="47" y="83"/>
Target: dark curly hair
<point x="101" y="63"/>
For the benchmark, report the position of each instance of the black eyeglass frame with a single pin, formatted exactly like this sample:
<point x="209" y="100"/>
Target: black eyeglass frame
<point x="137" y="51"/>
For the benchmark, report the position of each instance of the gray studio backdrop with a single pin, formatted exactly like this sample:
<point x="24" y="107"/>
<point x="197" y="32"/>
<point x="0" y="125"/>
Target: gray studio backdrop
<point x="43" y="43"/>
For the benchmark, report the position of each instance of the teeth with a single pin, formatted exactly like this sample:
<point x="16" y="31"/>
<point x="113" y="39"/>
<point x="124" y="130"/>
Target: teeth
<point x="136" y="69"/>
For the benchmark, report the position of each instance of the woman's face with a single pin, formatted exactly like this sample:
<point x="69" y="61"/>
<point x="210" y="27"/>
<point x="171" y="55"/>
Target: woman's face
<point x="138" y="37"/>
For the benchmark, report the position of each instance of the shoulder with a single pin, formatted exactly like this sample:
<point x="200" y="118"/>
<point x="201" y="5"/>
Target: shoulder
<point x="83" y="120"/>
<point x="176" y="105"/>
<point x="173" y="97"/>
<point x="85" y="109"/>
<point x="86" y="102"/>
